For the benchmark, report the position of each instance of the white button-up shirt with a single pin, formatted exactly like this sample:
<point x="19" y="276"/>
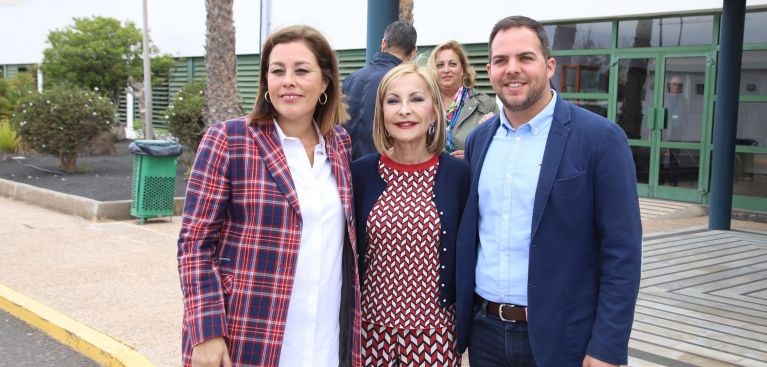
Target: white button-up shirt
<point x="312" y="326"/>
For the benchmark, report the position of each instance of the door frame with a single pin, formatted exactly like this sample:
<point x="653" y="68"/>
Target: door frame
<point x="653" y="188"/>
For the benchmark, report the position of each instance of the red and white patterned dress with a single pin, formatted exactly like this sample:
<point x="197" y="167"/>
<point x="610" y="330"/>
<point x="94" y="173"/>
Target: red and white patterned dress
<point x="403" y="321"/>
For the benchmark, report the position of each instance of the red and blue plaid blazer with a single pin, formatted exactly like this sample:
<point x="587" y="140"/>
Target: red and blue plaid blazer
<point x="239" y="244"/>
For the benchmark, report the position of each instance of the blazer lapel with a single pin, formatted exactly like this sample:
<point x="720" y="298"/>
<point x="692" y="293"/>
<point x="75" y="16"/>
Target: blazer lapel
<point x="483" y="144"/>
<point x="552" y="156"/>
<point x="466" y="111"/>
<point x="274" y="159"/>
<point x="341" y="172"/>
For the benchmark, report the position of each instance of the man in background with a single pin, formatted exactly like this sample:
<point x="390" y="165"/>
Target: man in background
<point x="397" y="46"/>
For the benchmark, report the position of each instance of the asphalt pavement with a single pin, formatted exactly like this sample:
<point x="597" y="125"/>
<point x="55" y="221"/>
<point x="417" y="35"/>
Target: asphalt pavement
<point x="24" y="346"/>
<point x="119" y="281"/>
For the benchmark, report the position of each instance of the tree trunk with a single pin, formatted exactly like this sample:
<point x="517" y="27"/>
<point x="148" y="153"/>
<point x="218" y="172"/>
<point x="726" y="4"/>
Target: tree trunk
<point x="137" y="91"/>
<point x="68" y="162"/>
<point x="406" y="11"/>
<point x="223" y="100"/>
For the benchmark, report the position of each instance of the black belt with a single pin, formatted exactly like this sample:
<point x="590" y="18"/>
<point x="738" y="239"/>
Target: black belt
<point x="505" y="311"/>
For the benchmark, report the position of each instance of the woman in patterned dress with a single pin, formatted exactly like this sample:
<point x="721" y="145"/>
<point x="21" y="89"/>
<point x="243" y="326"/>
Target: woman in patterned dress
<point x="408" y="202"/>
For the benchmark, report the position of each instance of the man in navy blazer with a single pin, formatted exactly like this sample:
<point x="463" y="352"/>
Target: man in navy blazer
<point x="550" y="244"/>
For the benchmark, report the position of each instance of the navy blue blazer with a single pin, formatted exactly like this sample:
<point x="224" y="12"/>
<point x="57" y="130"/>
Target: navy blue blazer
<point x="586" y="241"/>
<point x="450" y="188"/>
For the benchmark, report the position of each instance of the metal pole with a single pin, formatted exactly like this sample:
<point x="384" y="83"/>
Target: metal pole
<point x="265" y="22"/>
<point x="39" y="80"/>
<point x="380" y="14"/>
<point x="149" y="131"/>
<point x="726" y="114"/>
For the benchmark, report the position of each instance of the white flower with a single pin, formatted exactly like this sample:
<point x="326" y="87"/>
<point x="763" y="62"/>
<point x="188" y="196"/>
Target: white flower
<point x="94" y="113"/>
<point x="95" y="88"/>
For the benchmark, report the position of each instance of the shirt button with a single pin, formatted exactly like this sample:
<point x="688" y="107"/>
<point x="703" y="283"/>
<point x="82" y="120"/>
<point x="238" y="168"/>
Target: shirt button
<point x="443" y="232"/>
<point x="444" y="300"/>
<point x="444" y="249"/>
<point x="518" y="138"/>
<point x="441" y="213"/>
<point x="443" y="284"/>
<point x="443" y="266"/>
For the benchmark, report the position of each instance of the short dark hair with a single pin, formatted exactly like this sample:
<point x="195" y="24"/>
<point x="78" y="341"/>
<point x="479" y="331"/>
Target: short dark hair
<point x="519" y="21"/>
<point x="401" y="35"/>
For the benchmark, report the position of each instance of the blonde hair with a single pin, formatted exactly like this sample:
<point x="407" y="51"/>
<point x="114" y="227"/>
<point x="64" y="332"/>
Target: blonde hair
<point x="434" y="143"/>
<point x="469" y="75"/>
<point x="327" y="115"/>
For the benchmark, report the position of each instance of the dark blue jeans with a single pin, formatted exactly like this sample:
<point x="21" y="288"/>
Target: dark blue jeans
<point x="494" y="342"/>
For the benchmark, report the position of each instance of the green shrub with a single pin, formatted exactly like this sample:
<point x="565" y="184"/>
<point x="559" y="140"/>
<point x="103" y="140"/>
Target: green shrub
<point x="185" y="115"/>
<point x="62" y="120"/>
<point x="9" y="139"/>
<point x="12" y="90"/>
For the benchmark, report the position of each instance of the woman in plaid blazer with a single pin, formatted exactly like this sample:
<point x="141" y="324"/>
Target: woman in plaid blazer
<point x="266" y="261"/>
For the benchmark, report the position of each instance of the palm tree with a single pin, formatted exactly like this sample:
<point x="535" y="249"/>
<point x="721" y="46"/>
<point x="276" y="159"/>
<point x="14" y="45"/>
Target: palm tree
<point x="406" y="11"/>
<point x="222" y="96"/>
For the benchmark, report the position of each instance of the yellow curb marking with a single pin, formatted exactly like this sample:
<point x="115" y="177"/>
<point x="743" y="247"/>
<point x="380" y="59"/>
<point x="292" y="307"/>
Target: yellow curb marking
<point x="103" y="349"/>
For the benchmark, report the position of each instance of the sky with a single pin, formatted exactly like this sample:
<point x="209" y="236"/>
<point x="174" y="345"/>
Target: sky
<point x="177" y="27"/>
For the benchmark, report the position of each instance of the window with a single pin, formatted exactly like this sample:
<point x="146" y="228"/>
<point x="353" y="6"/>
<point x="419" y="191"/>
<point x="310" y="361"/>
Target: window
<point x="582" y="74"/>
<point x="666" y="32"/>
<point x="755" y="30"/>
<point x="580" y="36"/>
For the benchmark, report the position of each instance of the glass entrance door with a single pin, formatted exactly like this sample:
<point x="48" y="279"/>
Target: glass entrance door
<point x="660" y="104"/>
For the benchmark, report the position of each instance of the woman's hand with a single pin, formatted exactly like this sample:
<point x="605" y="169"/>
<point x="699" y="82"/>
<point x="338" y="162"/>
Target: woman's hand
<point x="211" y="353"/>
<point x="457" y="153"/>
<point x="486" y="117"/>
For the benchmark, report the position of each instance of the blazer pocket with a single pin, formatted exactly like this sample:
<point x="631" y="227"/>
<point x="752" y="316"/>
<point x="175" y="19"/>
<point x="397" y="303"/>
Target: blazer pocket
<point x="571" y="182"/>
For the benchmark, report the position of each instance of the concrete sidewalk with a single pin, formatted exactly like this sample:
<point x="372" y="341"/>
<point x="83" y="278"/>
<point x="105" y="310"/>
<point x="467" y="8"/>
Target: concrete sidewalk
<point x="120" y="278"/>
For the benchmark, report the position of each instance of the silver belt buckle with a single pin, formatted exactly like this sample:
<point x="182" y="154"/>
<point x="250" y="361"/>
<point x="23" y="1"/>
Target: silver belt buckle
<point x="500" y="312"/>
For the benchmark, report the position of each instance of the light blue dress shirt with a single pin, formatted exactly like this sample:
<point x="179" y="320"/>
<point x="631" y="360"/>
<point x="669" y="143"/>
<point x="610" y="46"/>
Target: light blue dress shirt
<point x="506" y="190"/>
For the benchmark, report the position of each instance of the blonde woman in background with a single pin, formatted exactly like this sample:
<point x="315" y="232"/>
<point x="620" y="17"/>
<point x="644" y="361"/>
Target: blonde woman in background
<point x="463" y="104"/>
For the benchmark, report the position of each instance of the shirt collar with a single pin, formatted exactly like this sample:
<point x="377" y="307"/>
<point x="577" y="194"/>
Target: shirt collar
<point x="283" y="138"/>
<point x="540" y="121"/>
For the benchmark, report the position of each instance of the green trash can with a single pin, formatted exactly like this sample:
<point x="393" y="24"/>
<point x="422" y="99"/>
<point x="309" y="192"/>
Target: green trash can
<point x="154" y="178"/>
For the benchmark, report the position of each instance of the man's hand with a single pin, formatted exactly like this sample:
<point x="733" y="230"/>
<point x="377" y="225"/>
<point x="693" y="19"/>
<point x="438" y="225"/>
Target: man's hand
<point x="590" y="361"/>
<point x="211" y="353"/>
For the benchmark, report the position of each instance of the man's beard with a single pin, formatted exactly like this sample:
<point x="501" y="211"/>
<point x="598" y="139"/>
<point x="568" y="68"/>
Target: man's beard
<point x="536" y="93"/>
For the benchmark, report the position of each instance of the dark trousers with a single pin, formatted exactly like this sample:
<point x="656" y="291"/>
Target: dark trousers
<point x="494" y="342"/>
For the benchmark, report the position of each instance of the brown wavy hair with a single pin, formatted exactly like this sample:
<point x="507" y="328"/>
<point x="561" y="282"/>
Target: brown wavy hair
<point x="328" y="115"/>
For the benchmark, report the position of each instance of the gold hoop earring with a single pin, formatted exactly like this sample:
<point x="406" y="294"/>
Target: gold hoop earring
<point x="321" y="101"/>
<point x="266" y="97"/>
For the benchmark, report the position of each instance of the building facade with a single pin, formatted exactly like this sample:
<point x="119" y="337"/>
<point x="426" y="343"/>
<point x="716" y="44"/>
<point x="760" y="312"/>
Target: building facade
<point x="651" y="69"/>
